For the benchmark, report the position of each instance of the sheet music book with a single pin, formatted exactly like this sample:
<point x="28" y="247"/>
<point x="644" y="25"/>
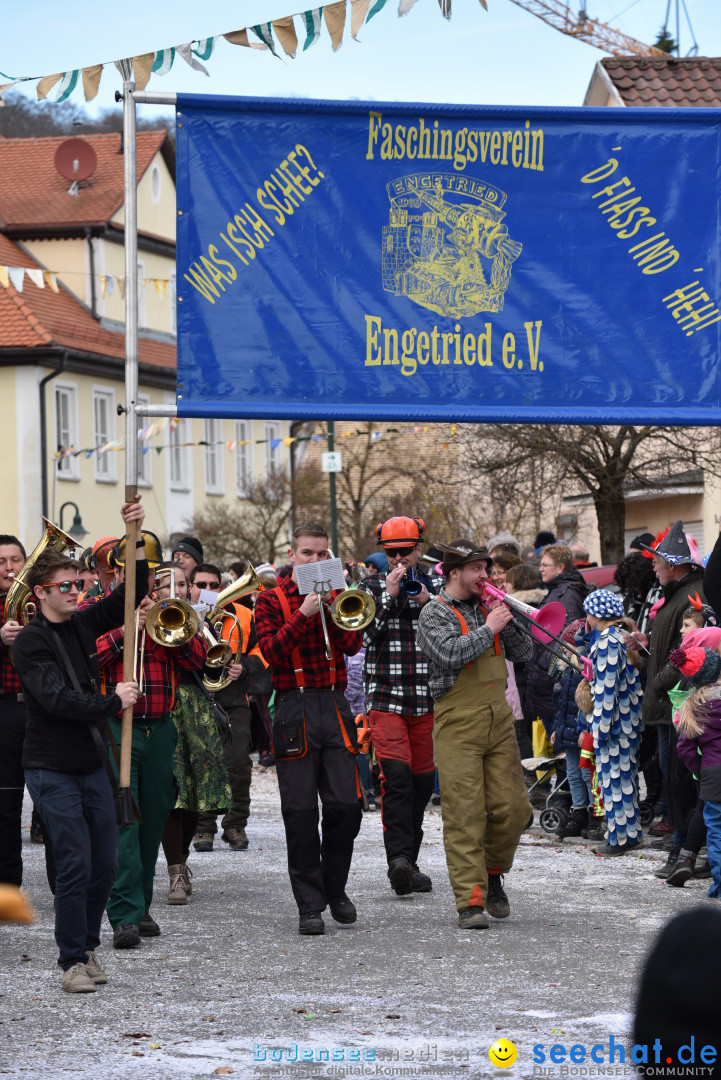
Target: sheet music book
<point x="330" y="572"/>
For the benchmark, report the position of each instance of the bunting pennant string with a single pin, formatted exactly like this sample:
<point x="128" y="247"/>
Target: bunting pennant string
<point x="15" y="276"/>
<point x="159" y="62"/>
<point x="150" y="431"/>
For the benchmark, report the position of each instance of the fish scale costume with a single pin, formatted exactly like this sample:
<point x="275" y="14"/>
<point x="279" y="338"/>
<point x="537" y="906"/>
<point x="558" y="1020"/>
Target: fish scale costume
<point x="615" y="723"/>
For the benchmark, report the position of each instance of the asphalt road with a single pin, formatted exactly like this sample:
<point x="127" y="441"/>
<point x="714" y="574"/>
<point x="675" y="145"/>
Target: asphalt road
<point x="231" y="989"/>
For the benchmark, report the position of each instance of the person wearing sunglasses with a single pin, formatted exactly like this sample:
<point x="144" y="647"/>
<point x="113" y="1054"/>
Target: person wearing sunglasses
<point x="65" y="752"/>
<point x="400" y="708"/>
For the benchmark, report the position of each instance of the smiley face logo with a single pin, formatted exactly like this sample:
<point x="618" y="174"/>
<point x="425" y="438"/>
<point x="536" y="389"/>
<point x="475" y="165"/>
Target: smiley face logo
<point x="503" y="1053"/>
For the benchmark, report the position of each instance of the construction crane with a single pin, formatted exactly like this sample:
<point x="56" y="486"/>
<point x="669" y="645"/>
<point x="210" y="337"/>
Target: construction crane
<point x="581" y="26"/>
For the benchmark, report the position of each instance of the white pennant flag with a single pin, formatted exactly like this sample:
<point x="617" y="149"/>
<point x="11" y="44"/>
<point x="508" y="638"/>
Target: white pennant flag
<point x="186" y="52"/>
<point x="36" y="276"/>
<point x="17" y="275"/>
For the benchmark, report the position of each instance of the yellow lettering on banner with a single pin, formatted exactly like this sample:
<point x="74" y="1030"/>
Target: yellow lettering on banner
<point x="281" y="195"/>
<point x="509" y="350"/>
<point x="533" y="345"/>
<point x="521" y="149"/>
<point x="373" y="325"/>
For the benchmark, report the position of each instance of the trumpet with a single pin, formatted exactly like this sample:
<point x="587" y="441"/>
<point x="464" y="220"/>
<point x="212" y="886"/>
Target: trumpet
<point x="410" y="584"/>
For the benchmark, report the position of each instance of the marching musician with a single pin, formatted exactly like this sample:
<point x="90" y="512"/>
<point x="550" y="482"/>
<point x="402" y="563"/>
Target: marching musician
<point x="12" y="724"/>
<point x="153" y="745"/>
<point x="248" y="675"/>
<point x="483" y="797"/>
<point x="314" y="737"/>
<point x="65" y="752"/>
<point x="400" y="707"/>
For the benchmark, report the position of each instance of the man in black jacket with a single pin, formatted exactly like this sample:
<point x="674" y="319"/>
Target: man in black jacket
<point x="64" y="753"/>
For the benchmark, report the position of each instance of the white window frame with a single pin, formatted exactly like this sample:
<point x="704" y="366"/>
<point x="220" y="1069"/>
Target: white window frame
<point x="273" y="457"/>
<point x="179" y="465"/>
<point x="106" y="465"/>
<point x="213" y="457"/>
<point x="243" y="458"/>
<point x="67" y="468"/>
<point x="145" y="461"/>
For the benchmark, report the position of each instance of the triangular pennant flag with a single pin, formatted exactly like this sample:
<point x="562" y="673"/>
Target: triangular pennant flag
<point x="103" y="285"/>
<point x="91" y="81"/>
<point x="265" y="33"/>
<point x="67" y="85"/>
<point x="45" y="85"/>
<point x="484" y="5"/>
<point x="125" y="67"/>
<point x="358" y="12"/>
<point x="17" y="275"/>
<point x="142" y="66"/>
<point x="109" y="284"/>
<point x="163" y="61"/>
<point x="4" y="277"/>
<point x="404" y="6"/>
<point x="3" y="88"/>
<point x="240" y="37"/>
<point x="378" y="6"/>
<point x="161" y="285"/>
<point x="445" y="6"/>
<point x="204" y="48"/>
<point x="288" y="440"/>
<point x="36" y="276"/>
<point x="334" y="15"/>
<point x="51" y="280"/>
<point x="312" y="26"/>
<point x="285" y="32"/>
<point x="186" y="52"/>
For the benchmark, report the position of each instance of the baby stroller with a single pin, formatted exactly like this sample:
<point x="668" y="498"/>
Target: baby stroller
<point x="557" y="811"/>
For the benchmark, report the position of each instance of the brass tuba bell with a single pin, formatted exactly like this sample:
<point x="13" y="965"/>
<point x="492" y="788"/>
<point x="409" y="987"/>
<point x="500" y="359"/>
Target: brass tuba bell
<point x="171" y="622"/>
<point x="220" y="653"/>
<point x="20" y="605"/>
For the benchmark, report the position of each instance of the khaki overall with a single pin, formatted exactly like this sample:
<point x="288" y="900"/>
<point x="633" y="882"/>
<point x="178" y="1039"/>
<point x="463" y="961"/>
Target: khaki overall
<point x="483" y="797"/>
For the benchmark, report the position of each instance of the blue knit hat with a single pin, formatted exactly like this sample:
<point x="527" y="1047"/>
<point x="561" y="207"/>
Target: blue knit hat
<point x="603" y="604"/>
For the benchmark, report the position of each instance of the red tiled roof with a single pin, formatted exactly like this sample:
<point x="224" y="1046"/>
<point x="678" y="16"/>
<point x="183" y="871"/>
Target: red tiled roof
<point x="34" y="194"/>
<point x="42" y="319"/>
<point x="667" y="81"/>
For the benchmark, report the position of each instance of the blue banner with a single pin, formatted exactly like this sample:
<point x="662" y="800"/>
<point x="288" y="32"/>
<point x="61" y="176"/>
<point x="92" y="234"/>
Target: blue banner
<point x="419" y="262"/>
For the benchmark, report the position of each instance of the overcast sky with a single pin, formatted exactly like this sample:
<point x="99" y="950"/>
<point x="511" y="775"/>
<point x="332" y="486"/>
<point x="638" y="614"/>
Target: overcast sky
<point x="502" y="56"/>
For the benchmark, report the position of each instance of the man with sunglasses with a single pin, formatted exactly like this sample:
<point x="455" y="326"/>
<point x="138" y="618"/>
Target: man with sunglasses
<point x="395" y="674"/>
<point x="65" y="749"/>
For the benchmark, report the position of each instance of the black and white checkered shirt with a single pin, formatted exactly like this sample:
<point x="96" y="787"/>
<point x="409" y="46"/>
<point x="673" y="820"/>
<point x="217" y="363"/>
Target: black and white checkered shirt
<point x="395" y="673"/>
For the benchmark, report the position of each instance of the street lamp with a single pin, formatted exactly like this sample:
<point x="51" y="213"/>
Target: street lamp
<point x="76" y="530"/>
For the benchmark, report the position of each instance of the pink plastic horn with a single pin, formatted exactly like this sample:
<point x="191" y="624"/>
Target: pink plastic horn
<point x="546" y="622"/>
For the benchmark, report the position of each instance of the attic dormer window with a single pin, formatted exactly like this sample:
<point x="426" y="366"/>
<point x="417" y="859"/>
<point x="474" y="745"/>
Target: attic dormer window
<point x="155" y="183"/>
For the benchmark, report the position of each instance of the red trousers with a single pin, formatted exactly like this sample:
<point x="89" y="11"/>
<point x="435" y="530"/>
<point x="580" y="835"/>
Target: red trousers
<point x="404" y="749"/>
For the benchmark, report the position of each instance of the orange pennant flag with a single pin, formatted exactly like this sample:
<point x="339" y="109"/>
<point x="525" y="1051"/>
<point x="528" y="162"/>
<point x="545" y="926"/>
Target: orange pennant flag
<point x="91" y="81"/>
<point x="45" y="85"/>
<point x="335" y="21"/>
<point x="285" y="32"/>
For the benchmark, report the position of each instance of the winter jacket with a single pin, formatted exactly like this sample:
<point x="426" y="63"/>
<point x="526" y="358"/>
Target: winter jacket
<point x="702" y="755"/>
<point x="665" y="636"/>
<point x="571" y="590"/>
<point x="566" y="722"/>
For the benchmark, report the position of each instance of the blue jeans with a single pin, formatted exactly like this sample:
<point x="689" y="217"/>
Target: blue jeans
<point x="712" y="817"/>
<point x="579" y="780"/>
<point x="78" y="813"/>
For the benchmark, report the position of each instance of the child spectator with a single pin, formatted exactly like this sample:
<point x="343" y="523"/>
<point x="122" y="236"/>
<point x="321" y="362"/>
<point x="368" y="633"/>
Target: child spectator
<point x="616" y="720"/>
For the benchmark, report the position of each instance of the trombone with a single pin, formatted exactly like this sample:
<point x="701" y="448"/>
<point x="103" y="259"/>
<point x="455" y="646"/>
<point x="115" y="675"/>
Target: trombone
<point x="352" y="609"/>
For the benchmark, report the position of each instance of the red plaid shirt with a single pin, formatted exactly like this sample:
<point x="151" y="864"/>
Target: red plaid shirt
<point x="158" y="675"/>
<point x="8" y="675"/>
<point x="278" y="638"/>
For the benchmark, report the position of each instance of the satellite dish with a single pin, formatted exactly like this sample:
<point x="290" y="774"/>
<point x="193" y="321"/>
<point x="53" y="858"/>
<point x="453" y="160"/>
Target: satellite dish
<point x="75" y="159"/>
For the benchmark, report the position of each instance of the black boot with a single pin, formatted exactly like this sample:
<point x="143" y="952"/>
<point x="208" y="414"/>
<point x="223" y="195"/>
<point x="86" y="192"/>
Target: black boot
<point x="683" y="870"/>
<point x="574" y="827"/>
<point x="665" y="870"/>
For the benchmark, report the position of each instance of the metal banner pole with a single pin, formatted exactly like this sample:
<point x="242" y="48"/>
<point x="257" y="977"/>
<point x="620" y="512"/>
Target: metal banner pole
<point x="131" y="429"/>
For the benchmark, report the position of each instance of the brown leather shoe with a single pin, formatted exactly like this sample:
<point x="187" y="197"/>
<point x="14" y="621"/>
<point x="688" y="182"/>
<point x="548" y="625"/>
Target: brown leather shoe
<point x="235" y="839"/>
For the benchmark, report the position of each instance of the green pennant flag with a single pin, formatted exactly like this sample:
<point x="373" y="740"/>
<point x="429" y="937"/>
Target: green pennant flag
<point x="265" y="33"/>
<point x="378" y="6"/>
<point x="203" y="48"/>
<point x="67" y="84"/>
<point x="163" y="62"/>
<point x="312" y="26"/>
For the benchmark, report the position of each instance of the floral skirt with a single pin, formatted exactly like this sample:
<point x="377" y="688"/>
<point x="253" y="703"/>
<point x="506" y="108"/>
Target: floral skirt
<point x="200" y="770"/>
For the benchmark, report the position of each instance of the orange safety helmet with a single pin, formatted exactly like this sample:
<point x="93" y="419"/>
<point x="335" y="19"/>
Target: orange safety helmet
<point x="101" y="550"/>
<point x="400" y="532"/>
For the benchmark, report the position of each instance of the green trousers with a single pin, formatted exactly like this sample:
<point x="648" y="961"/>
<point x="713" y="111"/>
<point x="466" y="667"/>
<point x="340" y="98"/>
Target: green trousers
<point x="153" y="786"/>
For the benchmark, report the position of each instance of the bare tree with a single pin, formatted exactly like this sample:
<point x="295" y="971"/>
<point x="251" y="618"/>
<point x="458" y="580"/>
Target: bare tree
<point x="602" y="461"/>
<point x="257" y="528"/>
